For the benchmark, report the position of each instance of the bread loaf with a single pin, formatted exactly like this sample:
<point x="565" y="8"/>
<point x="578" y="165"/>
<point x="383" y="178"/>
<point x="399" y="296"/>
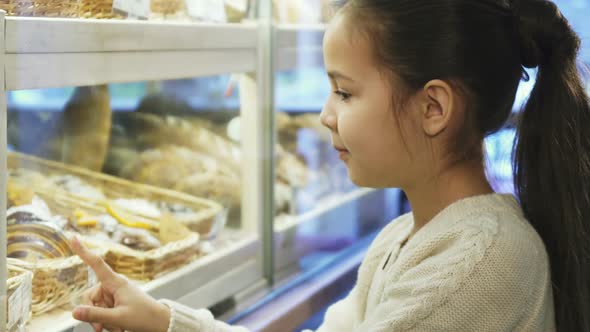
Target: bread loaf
<point x="87" y="127"/>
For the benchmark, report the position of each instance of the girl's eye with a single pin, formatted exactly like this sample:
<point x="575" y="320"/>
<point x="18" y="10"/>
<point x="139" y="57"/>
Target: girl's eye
<point x="344" y="96"/>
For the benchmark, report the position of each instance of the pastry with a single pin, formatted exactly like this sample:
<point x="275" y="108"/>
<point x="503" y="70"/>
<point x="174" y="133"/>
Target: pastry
<point x="283" y="197"/>
<point x="296" y="11"/>
<point x="166" y="7"/>
<point x="188" y="171"/>
<point x="27" y="178"/>
<point x="9" y="6"/>
<point x="87" y="127"/>
<point x="136" y="238"/>
<point x="24" y="7"/>
<point x="236" y="10"/>
<point x="18" y="194"/>
<point x="55" y="8"/>
<point x="97" y="9"/>
<point x="117" y="227"/>
<point x="136" y="223"/>
<point x="118" y="158"/>
<point x="157" y="131"/>
<point x="76" y="186"/>
<point x="35" y="212"/>
<point x="290" y="168"/>
<point x="35" y="241"/>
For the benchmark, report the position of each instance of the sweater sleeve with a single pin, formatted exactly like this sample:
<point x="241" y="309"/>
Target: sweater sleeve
<point x="185" y="319"/>
<point x="342" y="316"/>
<point x="480" y="282"/>
<point x="339" y="316"/>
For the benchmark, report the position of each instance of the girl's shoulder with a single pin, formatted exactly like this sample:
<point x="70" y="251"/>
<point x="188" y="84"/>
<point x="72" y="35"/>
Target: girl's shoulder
<point x="485" y="259"/>
<point x="396" y="230"/>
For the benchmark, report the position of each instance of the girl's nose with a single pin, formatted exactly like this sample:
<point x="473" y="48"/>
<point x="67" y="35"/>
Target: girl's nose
<point x="328" y="119"/>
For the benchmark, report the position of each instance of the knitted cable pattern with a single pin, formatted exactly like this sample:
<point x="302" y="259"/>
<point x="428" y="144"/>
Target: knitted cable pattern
<point x="477" y="237"/>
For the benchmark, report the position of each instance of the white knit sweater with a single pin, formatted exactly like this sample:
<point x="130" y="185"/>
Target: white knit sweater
<point x="477" y="266"/>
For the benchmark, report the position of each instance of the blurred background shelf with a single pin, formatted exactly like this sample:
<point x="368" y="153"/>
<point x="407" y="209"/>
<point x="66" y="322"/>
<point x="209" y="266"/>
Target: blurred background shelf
<point x="298" y="44"/>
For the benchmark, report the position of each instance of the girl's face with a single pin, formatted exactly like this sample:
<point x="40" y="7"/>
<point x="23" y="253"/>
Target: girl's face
<point x="360" y="115"/>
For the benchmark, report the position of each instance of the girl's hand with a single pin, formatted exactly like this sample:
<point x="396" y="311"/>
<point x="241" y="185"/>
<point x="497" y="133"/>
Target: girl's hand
<point x="115" y="303"/>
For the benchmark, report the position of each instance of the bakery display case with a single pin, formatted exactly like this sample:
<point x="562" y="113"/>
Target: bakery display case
<point x="180" y="143"/>
<point x="147" y="173"/>
<point x="119" y="132"/>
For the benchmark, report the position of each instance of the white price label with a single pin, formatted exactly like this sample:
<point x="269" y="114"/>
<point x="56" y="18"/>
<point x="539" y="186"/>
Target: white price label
<point x="139" y="8"/>
<point x="19" y="303"/>
<point x="27" y="293"/>
<point x="14" y="307"/>
<point x="92" y="279"/>
<point x="208" y="10"/>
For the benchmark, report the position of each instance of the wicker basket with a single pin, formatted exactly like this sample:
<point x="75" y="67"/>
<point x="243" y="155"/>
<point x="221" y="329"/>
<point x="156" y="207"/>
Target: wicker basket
<point x="207" y="212"/>
<point x="55" y="8"/>
<point x="9" y="6"/>
<point x="166" y="7"/>
<point x="57" y="281"/>
<point x="100" y="9"/>
<point x="19" y="291"/>
<point x="23" y="7"/>
<point x="147" y="265"/>
<point x="135" y="264"/>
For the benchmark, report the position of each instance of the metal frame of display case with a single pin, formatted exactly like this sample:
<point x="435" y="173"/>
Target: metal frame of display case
<point x="50" y="52"/>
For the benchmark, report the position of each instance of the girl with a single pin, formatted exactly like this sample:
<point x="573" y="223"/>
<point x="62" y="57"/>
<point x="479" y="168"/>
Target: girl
<point x="417" y="85"/>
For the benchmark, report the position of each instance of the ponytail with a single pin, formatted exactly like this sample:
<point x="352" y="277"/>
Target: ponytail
<point x="552" y="157"/>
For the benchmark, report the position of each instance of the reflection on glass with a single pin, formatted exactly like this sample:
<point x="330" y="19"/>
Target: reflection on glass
<point x="329" y="214"/>
<point x="78" y="164"/>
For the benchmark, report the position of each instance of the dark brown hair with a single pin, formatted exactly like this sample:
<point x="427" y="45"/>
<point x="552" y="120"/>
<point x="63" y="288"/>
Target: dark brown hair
<point x="484" y="45"/>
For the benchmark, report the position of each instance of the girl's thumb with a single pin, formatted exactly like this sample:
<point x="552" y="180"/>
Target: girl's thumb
<point x="105" y="316"/>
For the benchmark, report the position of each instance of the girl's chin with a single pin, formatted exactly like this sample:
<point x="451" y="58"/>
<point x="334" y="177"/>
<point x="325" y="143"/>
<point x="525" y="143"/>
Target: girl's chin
<point x="361" y="179"/>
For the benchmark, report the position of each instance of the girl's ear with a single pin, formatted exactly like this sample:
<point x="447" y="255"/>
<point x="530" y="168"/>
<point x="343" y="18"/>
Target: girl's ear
<point x="437" y="107"/>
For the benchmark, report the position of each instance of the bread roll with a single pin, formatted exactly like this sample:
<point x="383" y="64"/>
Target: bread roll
<point x="87" y="127"/>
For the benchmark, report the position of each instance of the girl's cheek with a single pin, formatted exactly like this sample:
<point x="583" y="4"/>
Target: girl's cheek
<point x="347" y="128"/>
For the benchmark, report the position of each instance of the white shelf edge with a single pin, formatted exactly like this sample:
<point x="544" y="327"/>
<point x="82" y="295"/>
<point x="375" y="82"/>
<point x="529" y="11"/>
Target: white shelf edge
<point x="53" y="35"/>
<point x="287" y="28"/>
<point x="208" y="268"/>
<point x="201" y="272"/>
<point x="242" y="277"/>
<point x="326" y="206"/>
<point x="53" y="70"/>
<point x="52" y="53"/>
<point x="285" y="231"/>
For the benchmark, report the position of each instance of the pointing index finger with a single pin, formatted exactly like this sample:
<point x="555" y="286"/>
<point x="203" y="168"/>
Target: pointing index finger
<point x="101" y="269"/>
